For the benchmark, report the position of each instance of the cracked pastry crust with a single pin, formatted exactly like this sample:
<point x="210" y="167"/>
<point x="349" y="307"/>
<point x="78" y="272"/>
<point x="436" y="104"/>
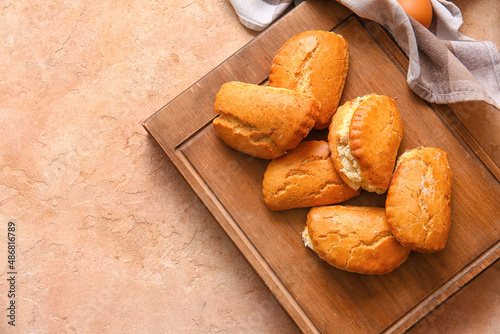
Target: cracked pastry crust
<point x="364" y="139"/>
<point x="313" y="62"/>
<point x="418" y="204"/>
<point x="355" y="239"/>
<point x="304" y="177"/>
<point x="262" y="121"/>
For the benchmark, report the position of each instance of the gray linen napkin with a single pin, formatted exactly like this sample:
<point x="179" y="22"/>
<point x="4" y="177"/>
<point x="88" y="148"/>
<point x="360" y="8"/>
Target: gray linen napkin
<point x="444" y="65"/>
<point x="258" y="14"/>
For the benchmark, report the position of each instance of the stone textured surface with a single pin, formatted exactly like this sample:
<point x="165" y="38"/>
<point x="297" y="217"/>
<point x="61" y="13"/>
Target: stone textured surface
<point x="110" y="238"/>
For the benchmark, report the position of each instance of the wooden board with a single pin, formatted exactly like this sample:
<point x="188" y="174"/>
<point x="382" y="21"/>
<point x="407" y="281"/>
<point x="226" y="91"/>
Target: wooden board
<point x="318" y="297"/>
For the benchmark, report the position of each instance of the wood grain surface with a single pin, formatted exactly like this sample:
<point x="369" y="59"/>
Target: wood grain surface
<point x="318" y="297"/>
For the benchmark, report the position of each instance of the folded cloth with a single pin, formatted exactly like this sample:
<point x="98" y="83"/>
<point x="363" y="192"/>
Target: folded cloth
<point x="445" y="66"/>
<point x="258" y="14"/>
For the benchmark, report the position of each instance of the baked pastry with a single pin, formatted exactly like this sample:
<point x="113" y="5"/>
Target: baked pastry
<point x="263" y="121"/>
<point x="304" y="177"/>
<point x="418" y="200"/>
<point x="313" y="62"/>
<point x="364" y="138"/>
<point x="355" y="239"/>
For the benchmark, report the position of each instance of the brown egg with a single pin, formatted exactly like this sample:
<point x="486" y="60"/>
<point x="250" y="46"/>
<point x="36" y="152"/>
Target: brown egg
<point x="420" y="10"/>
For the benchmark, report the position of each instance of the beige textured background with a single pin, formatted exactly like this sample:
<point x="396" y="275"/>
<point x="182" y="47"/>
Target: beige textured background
<point x="110" y="238"/>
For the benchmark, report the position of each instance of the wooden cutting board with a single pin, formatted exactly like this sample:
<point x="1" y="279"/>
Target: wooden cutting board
<point x="318" y="297"/>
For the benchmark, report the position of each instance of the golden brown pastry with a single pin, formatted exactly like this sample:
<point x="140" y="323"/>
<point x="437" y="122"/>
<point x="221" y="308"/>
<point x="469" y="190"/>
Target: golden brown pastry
<point x="364" y="138"/>
<point x="418" y="200"/>
<point x="355" y="239"/>
<point x="304" y="177"/>
<point x="262" y="121"/>
<point x="313" y="62"/>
